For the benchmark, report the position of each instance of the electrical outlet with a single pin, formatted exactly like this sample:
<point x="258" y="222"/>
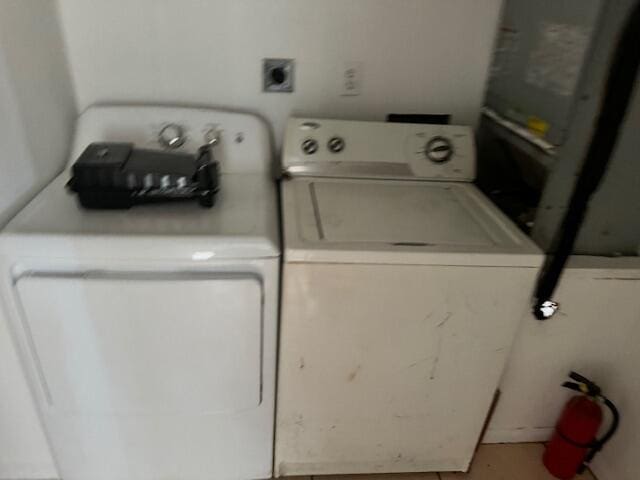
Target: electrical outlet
<point x="352" y="79"/>
<point x="278" y="75"/>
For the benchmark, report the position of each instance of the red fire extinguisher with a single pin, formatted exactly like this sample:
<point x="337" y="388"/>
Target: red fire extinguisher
<point x="574" y="442"/>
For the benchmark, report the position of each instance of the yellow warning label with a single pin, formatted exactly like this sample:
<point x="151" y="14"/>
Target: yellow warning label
<point x="537" y="126"/>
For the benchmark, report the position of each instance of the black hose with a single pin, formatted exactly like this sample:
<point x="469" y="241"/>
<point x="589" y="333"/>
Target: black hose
<point x="618" y="91"/>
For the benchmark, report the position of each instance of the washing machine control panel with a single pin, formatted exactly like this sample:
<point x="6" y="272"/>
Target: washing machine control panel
<point x="379" y="150"/>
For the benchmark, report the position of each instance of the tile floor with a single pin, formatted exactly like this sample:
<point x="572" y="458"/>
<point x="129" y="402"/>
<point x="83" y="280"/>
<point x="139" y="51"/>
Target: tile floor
<point x="520" y="461"/>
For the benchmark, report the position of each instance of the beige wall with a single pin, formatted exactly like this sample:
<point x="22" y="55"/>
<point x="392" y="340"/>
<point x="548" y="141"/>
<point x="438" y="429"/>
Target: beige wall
<point x="37" y="110"/>
<point x="425" y="56"/>
<point x="36" y="98"/>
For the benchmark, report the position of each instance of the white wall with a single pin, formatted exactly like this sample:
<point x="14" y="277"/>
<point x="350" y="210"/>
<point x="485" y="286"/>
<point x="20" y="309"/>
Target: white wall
<point x="36" y="115"/>
<point x="37" y="100"/>
<point x="597" y="334"/>
<point x="419" y="56"/>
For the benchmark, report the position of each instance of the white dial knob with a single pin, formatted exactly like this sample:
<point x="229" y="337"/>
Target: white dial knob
<point x="336" y="144"/>
<point x="439" y="149"/>
<point x="310" y="146"/>
<point x="212" y="136"/>
<point x="172" y="136"/>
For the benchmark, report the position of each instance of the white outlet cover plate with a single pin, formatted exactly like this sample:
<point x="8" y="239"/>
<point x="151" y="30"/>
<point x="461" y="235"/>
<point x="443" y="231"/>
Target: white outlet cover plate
<point x="352" y="79"/>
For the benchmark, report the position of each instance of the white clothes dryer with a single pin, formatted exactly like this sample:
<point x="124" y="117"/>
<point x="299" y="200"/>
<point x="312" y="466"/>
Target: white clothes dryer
<point x="148" y="336"/>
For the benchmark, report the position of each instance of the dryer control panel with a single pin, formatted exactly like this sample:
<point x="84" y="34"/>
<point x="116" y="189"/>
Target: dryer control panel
<point x="353" y="149"/>
<point x="242" y="140"/>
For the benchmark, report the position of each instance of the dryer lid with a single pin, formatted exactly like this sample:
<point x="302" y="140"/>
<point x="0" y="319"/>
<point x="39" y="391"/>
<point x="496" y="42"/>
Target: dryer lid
<point x="242" y="224"/>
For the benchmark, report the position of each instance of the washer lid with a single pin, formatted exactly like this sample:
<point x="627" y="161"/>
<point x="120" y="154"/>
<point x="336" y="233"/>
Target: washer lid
<point x="432" y="214"/>
<point x="398" y="222"/>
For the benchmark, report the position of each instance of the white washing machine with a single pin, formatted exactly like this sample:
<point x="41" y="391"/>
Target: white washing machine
<point x="402" y="290"/>
<point x="148" y="336"/>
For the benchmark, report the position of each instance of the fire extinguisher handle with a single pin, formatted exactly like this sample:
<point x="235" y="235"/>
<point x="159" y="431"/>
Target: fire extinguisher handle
<point x="598" y="444"/>
<point x="590" y="387"/>
<point x="578" y="378"/>
<point x="572" y="386"/>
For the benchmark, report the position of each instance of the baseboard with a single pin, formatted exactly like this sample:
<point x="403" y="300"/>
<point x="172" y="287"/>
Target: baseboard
<point x="26" y="471"/>
<point x="518" y="435"/>
<point x="603" y="470"/>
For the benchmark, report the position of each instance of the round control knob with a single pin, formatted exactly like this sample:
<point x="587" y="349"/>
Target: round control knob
<point x="310" y="146"/>
<point x="439" y="149"/>
<point x="172" y="136"/>
<point x="212" y="136"/>
<point x="336" y="144"/>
